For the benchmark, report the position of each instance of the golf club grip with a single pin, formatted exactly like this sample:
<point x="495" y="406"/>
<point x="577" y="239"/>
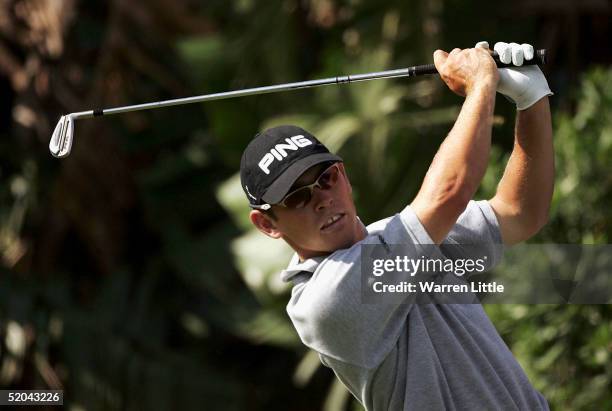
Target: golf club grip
<point x="539" y="58"/>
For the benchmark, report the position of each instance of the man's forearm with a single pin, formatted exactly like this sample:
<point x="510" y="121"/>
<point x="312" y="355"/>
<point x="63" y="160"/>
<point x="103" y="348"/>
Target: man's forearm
<point x="458" y="166"/>
<point x="465" y="151"/>
<point x="525" y="191"/>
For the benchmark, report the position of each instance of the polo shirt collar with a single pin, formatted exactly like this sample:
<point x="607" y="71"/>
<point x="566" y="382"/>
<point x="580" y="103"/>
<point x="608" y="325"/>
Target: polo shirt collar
<point x="296" y="267"/>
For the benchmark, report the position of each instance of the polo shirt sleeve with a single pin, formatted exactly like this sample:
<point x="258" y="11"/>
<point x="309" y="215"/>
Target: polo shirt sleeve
<point x="477" y="224"/>
<point x="330" y="317"/>
<point x="475" y="234"/>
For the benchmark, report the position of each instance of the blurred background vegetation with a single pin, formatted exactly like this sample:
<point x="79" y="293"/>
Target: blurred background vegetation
<point x="130" y="276"/>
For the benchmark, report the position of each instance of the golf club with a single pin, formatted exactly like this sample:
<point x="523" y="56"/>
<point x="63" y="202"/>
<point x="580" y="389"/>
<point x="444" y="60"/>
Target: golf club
<point x="63" y="135"/>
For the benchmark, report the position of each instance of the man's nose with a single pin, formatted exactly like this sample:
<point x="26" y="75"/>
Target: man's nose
<point x="323" y="198"/>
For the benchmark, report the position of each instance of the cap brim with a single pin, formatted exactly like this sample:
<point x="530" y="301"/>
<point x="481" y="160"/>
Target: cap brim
<point x="281" y="186"/>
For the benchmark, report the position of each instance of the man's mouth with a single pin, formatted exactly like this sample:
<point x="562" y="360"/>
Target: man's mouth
<point x="331" y="221"/>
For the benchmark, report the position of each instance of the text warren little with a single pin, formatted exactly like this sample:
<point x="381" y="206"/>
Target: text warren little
<point x="432" y="287"/>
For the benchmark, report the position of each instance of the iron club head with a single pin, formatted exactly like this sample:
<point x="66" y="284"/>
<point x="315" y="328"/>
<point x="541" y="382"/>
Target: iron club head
<point x="61" y="140"/>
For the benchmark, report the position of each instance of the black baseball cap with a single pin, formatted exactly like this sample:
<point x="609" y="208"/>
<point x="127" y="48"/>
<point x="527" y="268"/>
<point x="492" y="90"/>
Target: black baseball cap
<point x="275" y="159"/>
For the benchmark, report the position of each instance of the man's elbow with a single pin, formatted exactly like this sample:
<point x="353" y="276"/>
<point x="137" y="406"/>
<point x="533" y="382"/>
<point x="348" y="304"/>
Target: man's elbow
<point x="458" y="203"/>
<point x="541" y="219"/>
<point x="454" y="196"/>
<point x="533" y="222"/>
<point x="519" y="222"/>
<point x="438" y="206"/>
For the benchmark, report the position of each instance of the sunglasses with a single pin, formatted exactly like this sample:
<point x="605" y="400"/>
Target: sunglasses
<point x="301" y="196"/>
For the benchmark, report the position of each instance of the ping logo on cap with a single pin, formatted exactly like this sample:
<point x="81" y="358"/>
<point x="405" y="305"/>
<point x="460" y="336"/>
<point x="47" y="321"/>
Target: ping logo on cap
<point x="279" y="152"/>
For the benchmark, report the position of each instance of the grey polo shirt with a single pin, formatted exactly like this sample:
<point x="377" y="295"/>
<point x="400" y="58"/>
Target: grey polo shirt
<point x="408" y="356"/>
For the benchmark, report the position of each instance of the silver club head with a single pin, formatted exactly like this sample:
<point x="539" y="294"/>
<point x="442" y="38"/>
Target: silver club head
<point x="61" y="140"/>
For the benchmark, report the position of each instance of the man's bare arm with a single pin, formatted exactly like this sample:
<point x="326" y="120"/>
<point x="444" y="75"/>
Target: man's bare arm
<point x="461" y="161"/>
<point x="524" y="194"/>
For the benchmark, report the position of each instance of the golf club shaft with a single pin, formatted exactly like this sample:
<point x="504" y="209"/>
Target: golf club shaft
<point x="539" y="58"/>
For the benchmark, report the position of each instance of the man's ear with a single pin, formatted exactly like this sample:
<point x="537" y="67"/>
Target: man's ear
<point x="265" y="224"/>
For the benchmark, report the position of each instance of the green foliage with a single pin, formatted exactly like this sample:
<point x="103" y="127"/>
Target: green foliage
<point x="583" y="145"/>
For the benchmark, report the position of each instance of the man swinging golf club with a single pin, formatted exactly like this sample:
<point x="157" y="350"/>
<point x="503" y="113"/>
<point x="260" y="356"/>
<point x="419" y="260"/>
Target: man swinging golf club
<point x="411" y="356"/>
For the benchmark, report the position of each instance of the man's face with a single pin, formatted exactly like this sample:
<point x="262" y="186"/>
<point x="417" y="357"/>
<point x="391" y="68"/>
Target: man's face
<point x="308" y="230"/>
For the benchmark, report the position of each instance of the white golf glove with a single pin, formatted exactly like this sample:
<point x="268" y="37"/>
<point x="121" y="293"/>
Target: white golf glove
<point x="522" y="85"/>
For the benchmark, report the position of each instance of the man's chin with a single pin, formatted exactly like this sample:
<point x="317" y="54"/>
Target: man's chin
<point x="343" y="243"/>
<point x="329" y="247"/>
<point x="346" y="237"/>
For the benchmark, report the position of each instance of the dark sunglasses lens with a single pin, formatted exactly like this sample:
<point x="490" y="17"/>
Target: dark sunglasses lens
<point x="299" y="198"/>
<point x="328" y="178"/>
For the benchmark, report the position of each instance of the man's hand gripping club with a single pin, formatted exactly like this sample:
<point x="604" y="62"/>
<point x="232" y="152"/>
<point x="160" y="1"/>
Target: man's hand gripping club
<point x="465" y="70"/>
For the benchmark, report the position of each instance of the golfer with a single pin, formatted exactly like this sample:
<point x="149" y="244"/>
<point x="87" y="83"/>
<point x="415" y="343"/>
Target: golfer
<point x="411" y="356"/>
